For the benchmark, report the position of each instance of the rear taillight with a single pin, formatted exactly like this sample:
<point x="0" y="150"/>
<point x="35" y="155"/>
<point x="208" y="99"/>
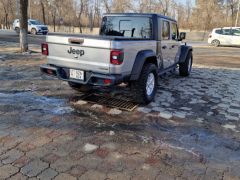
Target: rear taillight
<point x="210" y="36"/>
<point x="107" y="81"/>
<point x="45" y="49"/>
<point x="116" y="57"/>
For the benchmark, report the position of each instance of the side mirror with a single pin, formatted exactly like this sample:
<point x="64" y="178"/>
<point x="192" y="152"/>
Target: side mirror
<point x="182" y="36"/>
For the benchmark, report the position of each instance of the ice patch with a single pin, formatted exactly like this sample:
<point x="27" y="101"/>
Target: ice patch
<point x="229" y="126"/>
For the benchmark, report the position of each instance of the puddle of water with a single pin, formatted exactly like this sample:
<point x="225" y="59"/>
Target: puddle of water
<point x="63" y="110"/>
<point x="2" y="56"/>
<point x="29" y="102"/>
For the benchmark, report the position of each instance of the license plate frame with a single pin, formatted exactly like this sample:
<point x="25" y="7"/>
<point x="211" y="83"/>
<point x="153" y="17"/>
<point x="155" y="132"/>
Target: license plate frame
<point x="76" y="74"/>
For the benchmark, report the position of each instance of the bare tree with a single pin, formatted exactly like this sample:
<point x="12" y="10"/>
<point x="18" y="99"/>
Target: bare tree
<point x="165" y="5"/>
<point x="96" y="16"/>
<point x="107" y="6"/>
<point x="231" y="4"/>
<point x="7" y="11"/>
<point x="42" y="3"/>
<point x="81" y="10"/>
<point x="53" y="12"/>
<point x="23" y="25"/>
<point x="237" y="13"/>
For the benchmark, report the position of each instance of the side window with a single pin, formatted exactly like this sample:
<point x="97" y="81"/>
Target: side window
<point x="236" y="32"/>
<point x="174" y="31"/>
<point x="226" y="32"/>
<point x="165" y="30"/>
<point x="218" y="31"/>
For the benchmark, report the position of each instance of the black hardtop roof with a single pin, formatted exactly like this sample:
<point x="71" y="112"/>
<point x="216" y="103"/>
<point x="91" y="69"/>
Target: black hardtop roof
<point x="140" y="14"/>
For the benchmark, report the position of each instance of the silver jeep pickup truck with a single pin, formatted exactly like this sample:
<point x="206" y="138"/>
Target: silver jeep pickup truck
<point x="130" y="48"/>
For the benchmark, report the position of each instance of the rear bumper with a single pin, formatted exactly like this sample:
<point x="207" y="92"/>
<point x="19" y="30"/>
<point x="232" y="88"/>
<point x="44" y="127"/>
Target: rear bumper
<point x="91" y="78"/>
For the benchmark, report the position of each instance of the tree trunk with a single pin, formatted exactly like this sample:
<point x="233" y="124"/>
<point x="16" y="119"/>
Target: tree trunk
<point x="6" y="20"/>
<point x="232" y="9"/>
<point x="23" y="25"/>
<point x="54" y="23"/>
<point x="91" y="21"/>
<point x="43" y="12"/>
<point x="79" y="22"/>
<point x="6" y="16"/>
<point x="236" y="23"/>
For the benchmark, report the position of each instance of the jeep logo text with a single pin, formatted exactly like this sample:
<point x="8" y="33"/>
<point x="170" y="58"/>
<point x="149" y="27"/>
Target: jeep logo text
<point x="75" y="51"/>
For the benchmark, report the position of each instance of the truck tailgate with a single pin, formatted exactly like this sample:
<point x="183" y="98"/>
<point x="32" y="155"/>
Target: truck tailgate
<point x="79" y="53"/>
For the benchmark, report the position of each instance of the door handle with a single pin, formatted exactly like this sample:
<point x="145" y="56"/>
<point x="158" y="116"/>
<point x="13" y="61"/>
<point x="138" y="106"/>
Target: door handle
<point x="173" y="46"/>
<point x="75" y="40"/>
<point x="164" y="47"/>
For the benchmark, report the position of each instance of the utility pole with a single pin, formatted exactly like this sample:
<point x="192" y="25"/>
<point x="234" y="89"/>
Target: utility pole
<point x="236" y="23"/>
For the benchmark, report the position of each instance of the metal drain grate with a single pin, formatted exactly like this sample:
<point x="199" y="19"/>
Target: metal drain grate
<point x="111" y="102"/>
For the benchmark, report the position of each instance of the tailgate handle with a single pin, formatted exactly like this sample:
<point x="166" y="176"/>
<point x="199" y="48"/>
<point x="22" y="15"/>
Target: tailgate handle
<point x="75" y="40"/>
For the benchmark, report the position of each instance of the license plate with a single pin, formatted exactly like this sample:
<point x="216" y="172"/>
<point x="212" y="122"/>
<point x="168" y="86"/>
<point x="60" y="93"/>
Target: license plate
<point x="76" y="74"/>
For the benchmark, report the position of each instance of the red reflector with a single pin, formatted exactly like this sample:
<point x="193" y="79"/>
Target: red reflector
<point x="45" y="49"/>
<point x="210" y="36"/>
<point x="116" y="57"/>
<point x="49" y="71"/>
<point x="107" y="81"/>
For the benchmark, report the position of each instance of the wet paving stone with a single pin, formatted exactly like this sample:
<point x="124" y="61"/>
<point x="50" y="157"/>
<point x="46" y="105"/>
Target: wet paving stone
<point x="34" y="168"/>
<point x="190" y="131"/>
<point x="47" y="174"/>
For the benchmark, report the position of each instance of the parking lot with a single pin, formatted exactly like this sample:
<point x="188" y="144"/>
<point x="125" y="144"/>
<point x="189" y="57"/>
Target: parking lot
<point x="191" y="130"/>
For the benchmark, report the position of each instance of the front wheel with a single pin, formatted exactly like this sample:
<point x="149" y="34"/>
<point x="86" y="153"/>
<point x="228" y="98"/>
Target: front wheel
<point x="186" y="67"/>
<point x="144" y="89"/>
<point x="215" y="43"/>
<point x="33" y="31"/>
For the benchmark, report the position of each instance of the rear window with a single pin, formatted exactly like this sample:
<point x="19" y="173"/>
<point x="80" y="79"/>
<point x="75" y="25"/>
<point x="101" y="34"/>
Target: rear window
<point x="132" y="27"/>
<point x="218" y="31"/>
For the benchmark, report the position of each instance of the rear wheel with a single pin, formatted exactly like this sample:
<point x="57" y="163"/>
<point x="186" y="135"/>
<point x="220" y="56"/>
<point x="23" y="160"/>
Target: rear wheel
<point x="186" y="67"/>
<point x="144" y="89"/>
<point x="215" y="43"/>
<point x="80" y="87"/>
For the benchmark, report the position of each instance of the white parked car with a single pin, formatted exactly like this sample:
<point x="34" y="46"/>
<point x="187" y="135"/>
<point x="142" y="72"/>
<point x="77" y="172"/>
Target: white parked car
<point x="228" y="36"/>
<point x="34" y="27"/>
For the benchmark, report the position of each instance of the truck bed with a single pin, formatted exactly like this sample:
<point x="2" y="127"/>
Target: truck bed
<point x="99" y="37"/>
<point x="97" y="49"/>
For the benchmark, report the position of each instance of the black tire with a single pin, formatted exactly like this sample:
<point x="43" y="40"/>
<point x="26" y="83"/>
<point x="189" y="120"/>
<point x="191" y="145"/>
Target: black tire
<point x="17" y="30"/>
<point x="45" y="33"/>
<point x="33" y="31"/>
<point x="215" y="43"/>
<point x="186" y="67"/>
<point x="139" y="87"/>
<point x="80" y="87"/>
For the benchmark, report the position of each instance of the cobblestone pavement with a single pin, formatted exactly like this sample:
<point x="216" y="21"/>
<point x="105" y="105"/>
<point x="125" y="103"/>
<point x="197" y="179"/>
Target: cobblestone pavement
<point x="191" y="131"/>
